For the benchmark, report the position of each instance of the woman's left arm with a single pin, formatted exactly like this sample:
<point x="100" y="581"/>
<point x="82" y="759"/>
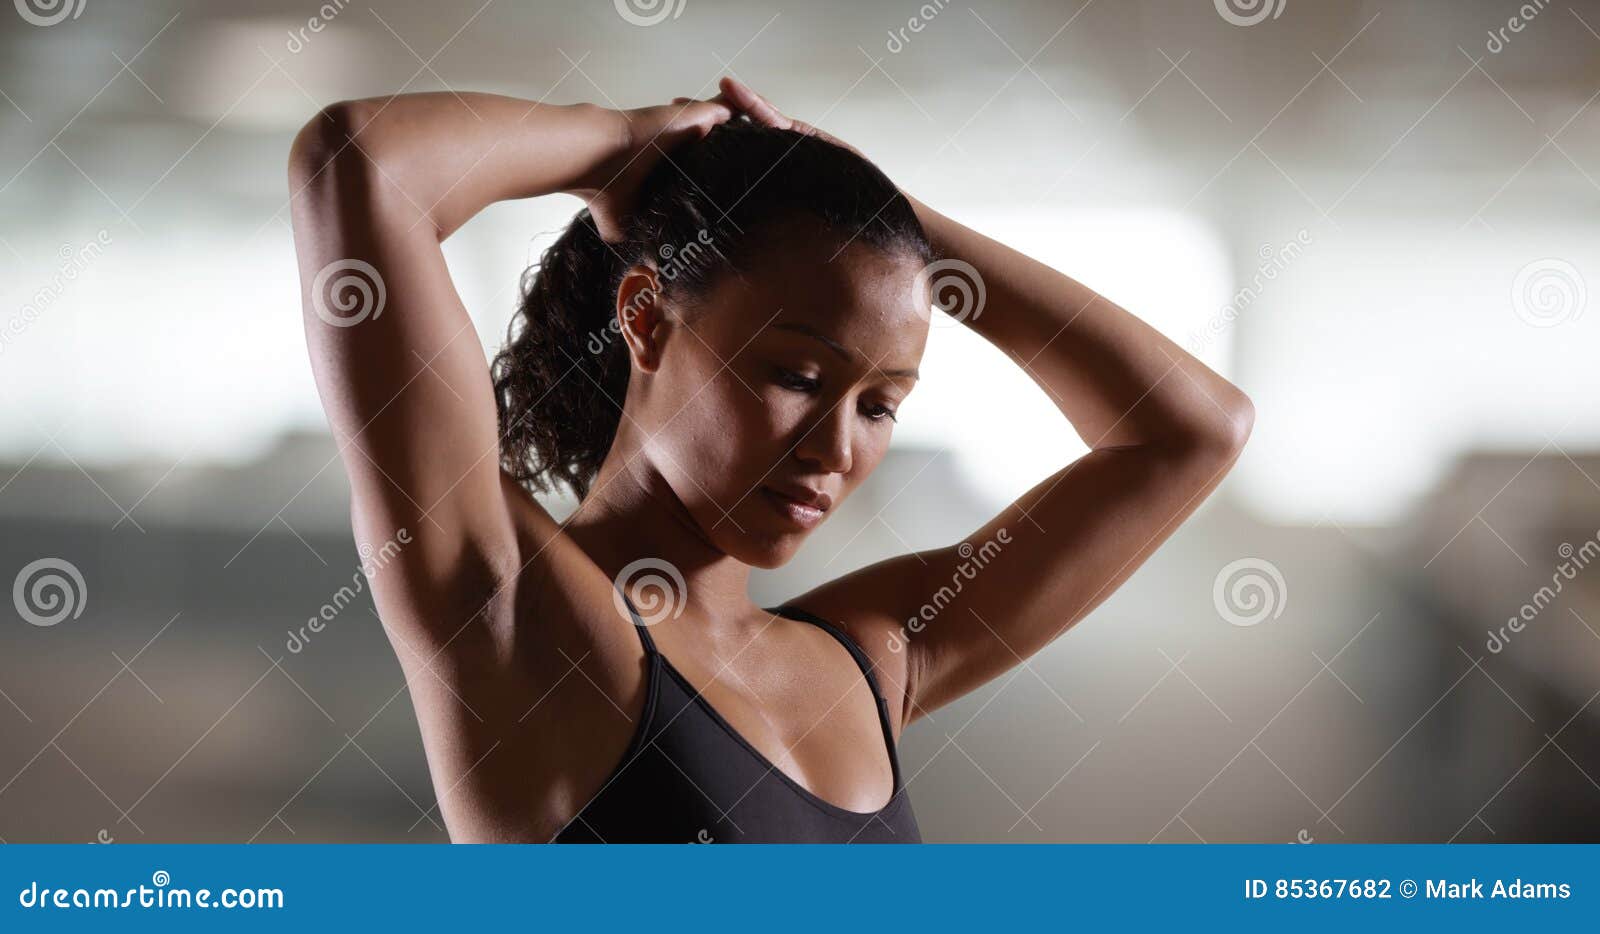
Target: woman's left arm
<point x="1162" y="430"/>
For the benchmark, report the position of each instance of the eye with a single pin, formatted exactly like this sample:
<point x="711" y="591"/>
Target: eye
<point x="878" y="413"/>
<point x="789" y="379"/>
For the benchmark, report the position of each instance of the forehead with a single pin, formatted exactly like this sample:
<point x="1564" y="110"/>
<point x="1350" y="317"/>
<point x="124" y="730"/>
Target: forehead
<point x="860" y="296"/>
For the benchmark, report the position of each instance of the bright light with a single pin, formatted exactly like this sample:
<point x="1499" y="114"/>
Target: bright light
<point x="1004" y="431"/>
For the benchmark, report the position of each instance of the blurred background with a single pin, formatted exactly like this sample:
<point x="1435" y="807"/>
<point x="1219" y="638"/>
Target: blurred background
<point x="1377" y="218"/>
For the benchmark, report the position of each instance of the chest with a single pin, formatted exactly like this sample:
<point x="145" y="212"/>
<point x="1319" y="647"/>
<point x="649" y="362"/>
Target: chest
<point x="815" y="723"/>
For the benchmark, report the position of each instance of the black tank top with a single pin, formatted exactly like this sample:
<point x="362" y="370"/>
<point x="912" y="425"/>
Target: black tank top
<point x="688" y="777"/>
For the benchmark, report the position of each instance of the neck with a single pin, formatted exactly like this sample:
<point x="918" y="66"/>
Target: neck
<point x="632" y="513"/>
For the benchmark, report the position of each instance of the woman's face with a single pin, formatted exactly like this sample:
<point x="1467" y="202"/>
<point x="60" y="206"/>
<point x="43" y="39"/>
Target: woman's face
<point x="777" y="391"/>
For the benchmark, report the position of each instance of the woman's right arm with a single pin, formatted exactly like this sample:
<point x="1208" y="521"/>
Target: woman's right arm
<point x="376" y="185"/>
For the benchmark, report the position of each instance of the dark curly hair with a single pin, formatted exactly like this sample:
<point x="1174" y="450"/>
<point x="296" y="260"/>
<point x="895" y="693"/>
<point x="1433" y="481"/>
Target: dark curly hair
<point x="560" y="379"/>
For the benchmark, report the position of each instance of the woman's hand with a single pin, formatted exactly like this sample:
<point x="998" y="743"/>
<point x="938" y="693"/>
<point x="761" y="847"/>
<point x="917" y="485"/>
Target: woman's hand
<point x="742" y="98"/>
<point x="644" y="134"/>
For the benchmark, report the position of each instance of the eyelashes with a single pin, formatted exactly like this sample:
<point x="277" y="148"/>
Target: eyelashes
<point x="795" y="382"/>
<point x="789" y="379"/>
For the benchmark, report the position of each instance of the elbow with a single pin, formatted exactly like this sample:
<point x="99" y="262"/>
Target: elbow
<point x="1240" y="421"/>
<point x="323" y="148"/>
<point x="1220" y="432"/>
<point x="1229" y="431"/>
<point x="343" y="164"/>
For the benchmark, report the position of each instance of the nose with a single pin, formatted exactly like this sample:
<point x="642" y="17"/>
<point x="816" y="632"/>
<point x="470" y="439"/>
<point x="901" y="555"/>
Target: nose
<point x="826" y="445"/>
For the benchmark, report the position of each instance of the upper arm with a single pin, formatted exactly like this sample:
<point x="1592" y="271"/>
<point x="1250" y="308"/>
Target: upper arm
<point x="399" y="368"/>
<point x="942" y="622"/>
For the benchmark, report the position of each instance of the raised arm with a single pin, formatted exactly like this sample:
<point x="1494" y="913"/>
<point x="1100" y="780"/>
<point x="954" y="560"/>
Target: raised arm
<point x="1162" y="430"/>
<point x="376" y="186"/>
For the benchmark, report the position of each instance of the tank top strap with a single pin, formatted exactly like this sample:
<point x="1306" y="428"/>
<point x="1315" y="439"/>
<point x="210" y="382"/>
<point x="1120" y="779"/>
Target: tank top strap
<point x="856" y="652"/>
<point x="640" y="627"/>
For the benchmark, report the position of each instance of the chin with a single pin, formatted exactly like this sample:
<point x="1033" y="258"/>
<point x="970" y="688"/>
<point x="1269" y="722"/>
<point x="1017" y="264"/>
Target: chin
<point x="767" y="553"/>
<point x="758" y="543"/>
<point x="755" y="535"/>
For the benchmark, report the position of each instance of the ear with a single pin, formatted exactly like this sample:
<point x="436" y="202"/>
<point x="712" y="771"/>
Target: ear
<point x="641" y="317"/>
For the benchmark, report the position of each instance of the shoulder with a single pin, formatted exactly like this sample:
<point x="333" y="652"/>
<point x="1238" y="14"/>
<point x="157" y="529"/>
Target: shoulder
<point x="879" y="636"/>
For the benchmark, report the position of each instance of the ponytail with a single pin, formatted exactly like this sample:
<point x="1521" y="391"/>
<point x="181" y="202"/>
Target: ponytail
<point x="561" y="377"/>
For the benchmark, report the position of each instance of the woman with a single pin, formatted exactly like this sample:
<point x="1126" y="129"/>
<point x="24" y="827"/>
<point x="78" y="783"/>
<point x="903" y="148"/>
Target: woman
<point x="711" y="357"/>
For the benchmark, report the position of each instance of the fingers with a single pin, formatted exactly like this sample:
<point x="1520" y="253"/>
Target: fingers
<point x="715" y="110"/>
<point x="719" y="99"/>
<point x="741" y="96"/>
<point x="738" y="97"/>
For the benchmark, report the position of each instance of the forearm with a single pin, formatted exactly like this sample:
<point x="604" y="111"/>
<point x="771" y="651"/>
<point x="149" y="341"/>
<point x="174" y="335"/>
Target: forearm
<point x="429" y="162"/>
<point x="1118" y="380"/>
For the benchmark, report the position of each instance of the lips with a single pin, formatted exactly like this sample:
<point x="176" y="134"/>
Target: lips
<point x="803" y="495"/>
<point x="799" y="504"/>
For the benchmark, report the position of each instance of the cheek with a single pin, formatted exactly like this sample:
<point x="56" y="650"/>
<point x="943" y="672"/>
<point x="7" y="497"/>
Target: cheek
<point x="871" y="444"/>
<point x="762" y="426"/>
<point x="732" y="434"/>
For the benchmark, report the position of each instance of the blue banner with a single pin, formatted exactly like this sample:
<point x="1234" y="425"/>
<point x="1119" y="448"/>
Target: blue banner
<point x="810" y="888"/>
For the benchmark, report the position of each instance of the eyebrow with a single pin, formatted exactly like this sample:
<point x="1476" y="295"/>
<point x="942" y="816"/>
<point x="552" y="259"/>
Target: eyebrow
<point x="840" y="349"/>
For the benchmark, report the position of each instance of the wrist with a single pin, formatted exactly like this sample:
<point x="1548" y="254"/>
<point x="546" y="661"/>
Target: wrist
<point x="614" y="140"/>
